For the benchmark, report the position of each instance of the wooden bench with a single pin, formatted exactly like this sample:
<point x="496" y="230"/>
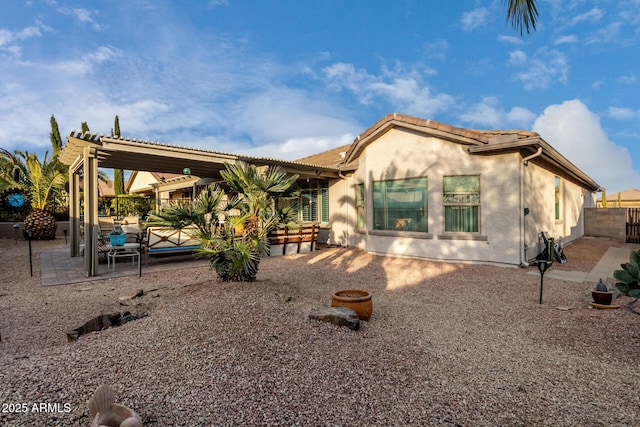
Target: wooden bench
<point x="296" y="240"/>
<point x="167" y="240"/>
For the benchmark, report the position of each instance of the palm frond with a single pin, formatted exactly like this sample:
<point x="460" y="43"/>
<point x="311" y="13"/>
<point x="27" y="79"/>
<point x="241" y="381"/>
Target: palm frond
<point x="523" y="14"/>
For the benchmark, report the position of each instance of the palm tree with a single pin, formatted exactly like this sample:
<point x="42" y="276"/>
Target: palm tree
<point x="10" y="168"/>
<point x="260" y="189"/>
<point x="203" y="213"/>
<point x="235" y="257"/>
<point x="523" y="15"/>
<point x="41" y="180"/>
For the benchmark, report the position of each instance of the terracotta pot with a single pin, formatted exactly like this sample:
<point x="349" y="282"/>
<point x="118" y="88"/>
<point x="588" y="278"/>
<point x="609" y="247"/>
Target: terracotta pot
<point x="600" y="297"/>
<point x="358" y="301"/>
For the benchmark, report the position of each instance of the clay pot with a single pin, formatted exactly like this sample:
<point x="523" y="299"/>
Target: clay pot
<point x="600" y="297"/>
<point x="358" y="301"/>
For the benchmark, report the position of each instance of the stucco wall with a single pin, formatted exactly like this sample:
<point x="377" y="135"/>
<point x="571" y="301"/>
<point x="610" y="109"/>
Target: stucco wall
<point x="142" y="182"/>
<point x="507" y="186"/>
<point x="539" y="197"/>
<point x="401" y="154"/>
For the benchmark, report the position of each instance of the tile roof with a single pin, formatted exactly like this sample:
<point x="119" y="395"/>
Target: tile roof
<point x="480" y="135"/>
<point x="625" y="195"/>
<point x="329" y="158"/>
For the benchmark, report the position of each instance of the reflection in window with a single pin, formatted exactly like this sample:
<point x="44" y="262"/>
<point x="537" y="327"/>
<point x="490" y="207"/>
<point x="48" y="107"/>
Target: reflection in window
<point x="557" y="196"/>
<point x="462" y="204"/>
<point x="314" y="202"/>
<point x="361" y="221"/>
<point x="400" y="205"/>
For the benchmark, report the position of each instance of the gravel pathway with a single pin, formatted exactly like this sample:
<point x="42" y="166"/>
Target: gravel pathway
<point x="448" y="344"/>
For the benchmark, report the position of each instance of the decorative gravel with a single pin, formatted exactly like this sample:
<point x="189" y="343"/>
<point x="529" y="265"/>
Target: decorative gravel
<point x="448" y="344"/>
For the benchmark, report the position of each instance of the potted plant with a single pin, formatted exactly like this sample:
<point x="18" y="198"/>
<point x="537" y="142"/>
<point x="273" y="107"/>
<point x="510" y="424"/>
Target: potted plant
<point x="117" y="237"/>
<point x="601" y="294"/>
<point x="358" y="301"/>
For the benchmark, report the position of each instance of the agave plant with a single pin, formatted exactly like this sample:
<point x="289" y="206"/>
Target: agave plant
<point x="629" y="277"/>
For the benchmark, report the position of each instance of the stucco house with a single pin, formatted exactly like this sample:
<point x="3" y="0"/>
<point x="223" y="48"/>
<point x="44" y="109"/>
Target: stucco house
<point x="405" y="187"/>
<point x="163" y="187"/>
<point x="419" y="188"/>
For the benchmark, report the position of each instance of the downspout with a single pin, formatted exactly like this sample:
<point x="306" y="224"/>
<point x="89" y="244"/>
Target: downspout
<point x="525" y="161"/>
<point x="346" y="188"/>
<point x="523" y="222"/>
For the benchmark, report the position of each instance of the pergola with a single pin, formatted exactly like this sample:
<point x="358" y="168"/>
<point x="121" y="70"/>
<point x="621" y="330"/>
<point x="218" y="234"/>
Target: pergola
<point x="84" y="153"/>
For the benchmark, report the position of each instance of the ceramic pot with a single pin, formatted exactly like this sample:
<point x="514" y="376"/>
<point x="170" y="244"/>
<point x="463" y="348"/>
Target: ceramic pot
<point x="358" y="301"/>
<point x="600" y="297"/>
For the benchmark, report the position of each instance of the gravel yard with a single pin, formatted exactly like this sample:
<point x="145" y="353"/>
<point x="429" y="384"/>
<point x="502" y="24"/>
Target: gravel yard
<point x="448" y="344"/>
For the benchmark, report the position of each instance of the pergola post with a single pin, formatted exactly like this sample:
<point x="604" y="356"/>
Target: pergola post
<point x="90" y="211"/>
<point x="74" y="210"/>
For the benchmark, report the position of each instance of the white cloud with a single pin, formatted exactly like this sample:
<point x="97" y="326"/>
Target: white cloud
<point x="520" y="117"/>
<point x="545" y="67"/>
<point x="484" y="114"/>
<point x="566" y="39"/>
<point x="292" y="148"/>
<point x="628" y="79"/>
<point x="575" y="131"/>
<point x="608" y="34"/>
<point x="403" y="89"/>
<point x="489" y="114"/>
<point x="86" y="63"/>
<point x="623" y="113"/>
<point x="474" y="19"/>
<point x="592" y="16"/>
<point x="510" y="39"/>
<point x="517" y="57"/>
<point x="9" y="39"/>
<point x="82" y="15"/>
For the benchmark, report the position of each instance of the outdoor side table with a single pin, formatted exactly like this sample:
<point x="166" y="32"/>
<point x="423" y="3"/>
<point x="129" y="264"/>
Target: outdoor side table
<point x="127" y="250"/>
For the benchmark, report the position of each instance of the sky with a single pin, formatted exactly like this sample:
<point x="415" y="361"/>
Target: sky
<point x="290" y="78"/>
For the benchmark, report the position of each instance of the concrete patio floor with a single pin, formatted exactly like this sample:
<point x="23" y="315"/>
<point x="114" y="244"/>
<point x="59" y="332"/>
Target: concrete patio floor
<point x="58" y="268"/>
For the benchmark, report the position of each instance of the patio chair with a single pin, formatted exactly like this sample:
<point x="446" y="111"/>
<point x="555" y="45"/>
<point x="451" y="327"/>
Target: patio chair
<point x="130" y="220"/>
<point x="106" y="224"/>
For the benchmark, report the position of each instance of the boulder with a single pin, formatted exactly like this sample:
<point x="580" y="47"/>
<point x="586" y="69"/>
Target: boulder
<point x="341" y="316"/>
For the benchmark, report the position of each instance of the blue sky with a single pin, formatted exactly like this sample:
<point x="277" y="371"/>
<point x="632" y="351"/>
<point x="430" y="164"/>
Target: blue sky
<point x="290" y="78"/>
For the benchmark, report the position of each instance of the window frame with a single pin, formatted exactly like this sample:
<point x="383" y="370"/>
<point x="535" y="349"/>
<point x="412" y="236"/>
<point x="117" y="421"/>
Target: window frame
<point x="557" y="187"/>
<point x="422" y="220"/>
<point x="315" y="195"/>
<point x="477" y="204"/>
<point x="361" y="211"/>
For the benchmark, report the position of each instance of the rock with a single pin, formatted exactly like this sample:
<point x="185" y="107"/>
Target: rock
<point x="137" y="294"/>
<point x="341" y="316"/>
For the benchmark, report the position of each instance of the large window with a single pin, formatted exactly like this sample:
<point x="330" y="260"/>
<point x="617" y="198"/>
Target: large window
<point x="462" y="204"/>
<point x="400" y="205"/>
<point x="557" y="197"/>
<point x="314" y="202"/>
<point x="361" y="223"/>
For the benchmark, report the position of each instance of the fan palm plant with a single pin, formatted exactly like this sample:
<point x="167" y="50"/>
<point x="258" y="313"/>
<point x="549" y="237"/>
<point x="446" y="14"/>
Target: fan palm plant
<point x="260" y="189"/>
<point x="204" y="212"/>
<point x="235" y="257"/>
